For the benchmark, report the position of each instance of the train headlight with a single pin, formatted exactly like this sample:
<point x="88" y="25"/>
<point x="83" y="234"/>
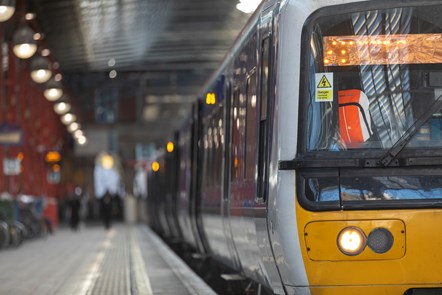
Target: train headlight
<point x="380" y="240"/>
<point x="351" y="241"/>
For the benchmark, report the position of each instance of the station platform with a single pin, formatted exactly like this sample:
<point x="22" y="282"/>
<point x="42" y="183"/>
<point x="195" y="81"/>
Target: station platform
<point x="127" y="259"/>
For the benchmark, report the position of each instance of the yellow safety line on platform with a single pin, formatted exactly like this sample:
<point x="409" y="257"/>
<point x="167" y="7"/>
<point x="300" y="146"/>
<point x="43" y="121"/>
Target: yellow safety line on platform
<point x="139" y="269"/>
<point x="94" y="271"/>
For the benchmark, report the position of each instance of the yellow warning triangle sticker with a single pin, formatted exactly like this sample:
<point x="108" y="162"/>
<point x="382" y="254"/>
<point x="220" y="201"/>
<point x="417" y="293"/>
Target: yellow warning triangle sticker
<point x="324" y="83"/>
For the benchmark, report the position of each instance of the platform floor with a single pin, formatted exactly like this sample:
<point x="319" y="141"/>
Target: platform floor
<point x="93" y="261"/>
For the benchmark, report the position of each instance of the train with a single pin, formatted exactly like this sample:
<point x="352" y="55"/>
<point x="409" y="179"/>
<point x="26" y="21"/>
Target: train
<point x="311" y="161"/>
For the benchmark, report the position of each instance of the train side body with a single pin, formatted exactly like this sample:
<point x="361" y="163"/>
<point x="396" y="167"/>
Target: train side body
<point x="234" y="218"/>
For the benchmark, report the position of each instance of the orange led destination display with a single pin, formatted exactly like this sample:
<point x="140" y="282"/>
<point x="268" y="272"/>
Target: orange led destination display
<point x="383" y="49"/>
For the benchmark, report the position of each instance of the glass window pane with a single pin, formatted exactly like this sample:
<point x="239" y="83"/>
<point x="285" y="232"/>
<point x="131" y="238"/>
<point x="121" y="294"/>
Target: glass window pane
<point x="388" y="188"/>
<point x="265" y="77"/>
<point x="372" y="75"/>
<point x="235" y="125"/>
<point x="252" y="128"/>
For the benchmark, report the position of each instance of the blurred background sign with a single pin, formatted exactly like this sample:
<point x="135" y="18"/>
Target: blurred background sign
<point x="54" y="176"/>
<point x="145" y="152"/>
<point x="11" y="166"/>
<point x="10" y="134"/>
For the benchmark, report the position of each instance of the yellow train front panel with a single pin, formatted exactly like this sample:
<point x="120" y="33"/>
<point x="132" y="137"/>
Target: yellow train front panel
<point x="414" y="260"/>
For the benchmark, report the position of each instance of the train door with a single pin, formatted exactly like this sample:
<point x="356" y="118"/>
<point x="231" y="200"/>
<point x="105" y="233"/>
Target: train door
<point x="183" y="196"/>
<point x="161" y="199"/>
<point x="265" y="98"/>
<point x="171" y="163"/>
<point x="211" y="183"/>
<point x="232" y="102"/>
<point x="153" y="202"/>
<point x="197" y="228"/>
<point x="244" y="158"/>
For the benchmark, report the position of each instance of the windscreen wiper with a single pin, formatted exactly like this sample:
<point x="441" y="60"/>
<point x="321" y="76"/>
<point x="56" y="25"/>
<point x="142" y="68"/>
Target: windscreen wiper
<point x="394" y="151"/>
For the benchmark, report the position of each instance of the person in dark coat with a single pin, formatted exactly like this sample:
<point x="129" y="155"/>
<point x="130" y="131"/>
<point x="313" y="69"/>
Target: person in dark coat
<point x="106" y="209"/>
<point x="75" y="205"/>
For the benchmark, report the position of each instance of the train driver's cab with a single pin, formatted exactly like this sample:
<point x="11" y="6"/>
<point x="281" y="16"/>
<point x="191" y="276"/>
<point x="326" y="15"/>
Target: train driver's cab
<point x="371" y="105"/>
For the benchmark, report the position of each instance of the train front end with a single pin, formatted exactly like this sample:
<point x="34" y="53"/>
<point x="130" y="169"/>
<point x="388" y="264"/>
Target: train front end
<point x="367" y="171"/>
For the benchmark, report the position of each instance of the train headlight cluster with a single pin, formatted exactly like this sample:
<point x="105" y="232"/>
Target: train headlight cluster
<point x="355" y="240"/>
<point x="351" y="241"/>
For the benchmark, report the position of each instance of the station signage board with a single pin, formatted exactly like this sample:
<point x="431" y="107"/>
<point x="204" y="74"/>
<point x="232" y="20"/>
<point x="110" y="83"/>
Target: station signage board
<point x="10" y="134"/>
<point x="11" y="166"/>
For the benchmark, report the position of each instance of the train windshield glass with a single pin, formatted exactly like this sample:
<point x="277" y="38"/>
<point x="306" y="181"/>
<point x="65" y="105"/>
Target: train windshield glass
<point x="374" y="78"/>
<point x="373" y="98"/>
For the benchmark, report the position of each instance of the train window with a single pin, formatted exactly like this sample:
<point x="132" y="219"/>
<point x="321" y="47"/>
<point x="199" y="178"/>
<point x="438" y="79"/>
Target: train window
<point x="263" y="124"/>
<point x="212" y="151"/>
<point x="374" y="79"/>
<point x="252" y="126"/>
<point x="217" y="144"/>
<point x="265" y="55"/>
<point x="225" y="130"/>
<point x="415" y="184"/>
<point x="235" y="125"/>
<point x="184" y="167"/>
<point x="205" y="158"/>
<point x="212" y="154"/>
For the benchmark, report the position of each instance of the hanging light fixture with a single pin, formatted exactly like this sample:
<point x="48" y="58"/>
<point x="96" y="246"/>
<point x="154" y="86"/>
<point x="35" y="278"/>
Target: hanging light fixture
<point x="74" y="126"/>
<point x="7" y="9"/>
<point x="68" y="118"/>
<point x="40" y="70"/>
<point x="30" y="16"/>
<point x="53" y="90"/>
<point x="82" y="140"/>
<point x="24" y="45"/>
<point x="45" y="52"/>
<point x="79" y="133"/>
<point x="62" y="108"/>
<point x="80" y="137"/>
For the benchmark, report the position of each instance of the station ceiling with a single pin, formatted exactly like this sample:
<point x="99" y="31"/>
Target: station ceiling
<point x="162" y="51"/>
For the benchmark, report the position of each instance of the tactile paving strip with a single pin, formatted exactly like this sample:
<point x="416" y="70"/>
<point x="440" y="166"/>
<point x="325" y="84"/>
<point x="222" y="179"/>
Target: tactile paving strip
<point x="113" y="273"/>
<point x="128" y="260"/>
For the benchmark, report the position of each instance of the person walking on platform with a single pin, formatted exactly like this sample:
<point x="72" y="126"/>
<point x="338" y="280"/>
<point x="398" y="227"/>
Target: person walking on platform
<point x="106" y="209"/>
<point x="75" y="211"/>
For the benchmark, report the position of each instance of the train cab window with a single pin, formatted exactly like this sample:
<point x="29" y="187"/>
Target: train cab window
<point x="391" y="57"/>
<point x="372" y="94"/>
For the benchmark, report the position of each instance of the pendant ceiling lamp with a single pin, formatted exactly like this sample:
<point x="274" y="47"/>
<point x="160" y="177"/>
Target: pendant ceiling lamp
<point x="62" y="108"/>
<point x="53" y="90"/>
<point x="7" y="9"/>
<point x="40" y="70"/>
<point x="24" y="45"/>
<point x="74" y="126"/>
<point x="68" y="119"/>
